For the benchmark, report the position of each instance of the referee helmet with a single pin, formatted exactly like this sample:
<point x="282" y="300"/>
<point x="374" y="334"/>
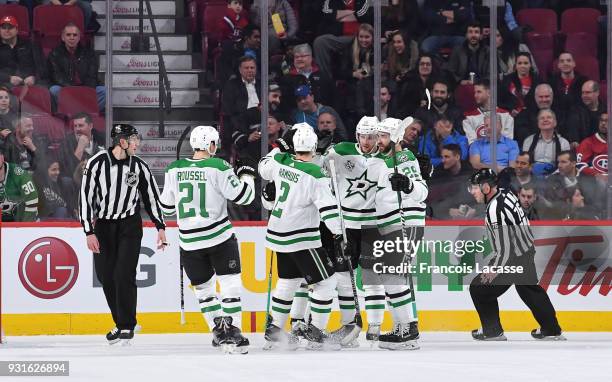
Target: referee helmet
<point x="122" y="130"/>
<point x="484" y="175"/>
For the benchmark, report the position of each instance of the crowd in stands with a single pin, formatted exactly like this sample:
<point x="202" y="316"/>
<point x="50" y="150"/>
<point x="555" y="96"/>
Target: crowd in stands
<point x="42" y="149"/>
<point x="551" y="112"/>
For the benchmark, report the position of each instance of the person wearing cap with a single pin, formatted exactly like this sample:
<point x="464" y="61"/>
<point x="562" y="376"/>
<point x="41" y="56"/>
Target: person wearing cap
<point x="17" y="66"/>
<point x="18" y="195"/>
<point x="308" y="111"/>
<point x="72" y="64"/>
<point x="305" y="71"/>
<point x="114" y="183"/>
<point x="512" y="263"/>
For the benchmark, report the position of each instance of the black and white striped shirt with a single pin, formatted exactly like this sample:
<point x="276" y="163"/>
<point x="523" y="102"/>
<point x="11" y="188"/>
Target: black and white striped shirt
<point x="111" y="189"/>
<point x="508" y="228"/>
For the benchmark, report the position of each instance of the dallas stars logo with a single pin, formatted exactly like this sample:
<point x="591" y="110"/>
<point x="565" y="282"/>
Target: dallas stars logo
<point x="360" y="186"/>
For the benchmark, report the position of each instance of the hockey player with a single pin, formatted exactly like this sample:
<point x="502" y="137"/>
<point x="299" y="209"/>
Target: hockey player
<point x="197" y="189"/>
<point x="303" y="199"/>
<point x="398" y="184"/>
<point x="357" y="189"/>
<point x="18" y="195"/>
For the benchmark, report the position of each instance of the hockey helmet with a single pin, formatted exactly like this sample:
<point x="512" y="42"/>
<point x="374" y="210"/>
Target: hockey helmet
<point x="202" y="137"/>
<point x="392" y="126"/>
<point x="304" y="139"/>
<point x="484" y="175"/>
<point x="366" y="126"/>
<point x="123" y="130"/>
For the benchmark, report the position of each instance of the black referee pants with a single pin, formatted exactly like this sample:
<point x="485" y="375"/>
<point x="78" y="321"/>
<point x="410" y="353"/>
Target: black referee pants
<point x="116" y="266"/>
<point x="533" y="295"/>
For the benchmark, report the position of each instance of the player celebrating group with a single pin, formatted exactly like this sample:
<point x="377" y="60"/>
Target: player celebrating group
<point x="198" y="190"/>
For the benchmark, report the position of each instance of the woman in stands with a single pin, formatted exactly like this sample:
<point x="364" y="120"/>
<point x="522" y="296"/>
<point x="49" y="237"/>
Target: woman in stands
<point x="411" y="91"/>
<point x="357" y="69"/>
<point x="55" y="193"/>
<point x="507" y="50"/>
<point x="517" y="89"/>
<point x="402" y="56"/>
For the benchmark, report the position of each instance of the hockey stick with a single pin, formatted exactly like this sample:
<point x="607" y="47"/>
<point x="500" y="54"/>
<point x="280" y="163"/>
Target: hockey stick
<point x="357" y="319"/>
<point x="269" y="289"/>
<point x="178" y="156"/>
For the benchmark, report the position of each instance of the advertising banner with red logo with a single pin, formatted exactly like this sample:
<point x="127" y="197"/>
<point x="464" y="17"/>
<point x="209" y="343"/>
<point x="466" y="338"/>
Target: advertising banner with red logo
<point x="50" y="270"/>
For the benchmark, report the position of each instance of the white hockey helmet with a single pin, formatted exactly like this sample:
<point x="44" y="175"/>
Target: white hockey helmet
<point x="305" y="139"/>
<point x="202" y="137"/>
<point x="394" y="127"/>
<point x="366" y="126"/>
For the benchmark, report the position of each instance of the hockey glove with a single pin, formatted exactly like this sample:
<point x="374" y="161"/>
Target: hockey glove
<point x="285" y="143"/>
<point x="243" y="169"/>
<point x="269" y="192"/>
<point x="424" y="165"/>
<point x="401" y="182"/>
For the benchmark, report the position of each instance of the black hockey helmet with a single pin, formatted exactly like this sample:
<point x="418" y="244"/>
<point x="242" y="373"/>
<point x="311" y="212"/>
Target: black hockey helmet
<point x="123" y="130"/>
<point x="484" y="175"/>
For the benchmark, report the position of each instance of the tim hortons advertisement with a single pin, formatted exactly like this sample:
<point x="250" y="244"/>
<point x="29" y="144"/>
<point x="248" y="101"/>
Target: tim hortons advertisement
<point x="50" y="270"/>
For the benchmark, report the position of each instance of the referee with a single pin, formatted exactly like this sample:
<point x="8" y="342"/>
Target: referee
<point x="114" y="182"/>
<point x="512" y="242"/>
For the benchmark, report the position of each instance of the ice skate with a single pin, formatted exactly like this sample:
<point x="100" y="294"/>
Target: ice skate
<point x="479" y="335"/>
<point x="236" y="342"/>
<point x="347" y="335"/>
<point x="543" y="335"/>
<point x="277" y="338"/>
<point x="298" y="328"/>
<point x="220" y="331"/>
<point x="400" y="338"/>
<point x="126" y="336"/>
<point x="373" y="334"/>
<point x="318" y="340"/>
<point x="113" y="336"/>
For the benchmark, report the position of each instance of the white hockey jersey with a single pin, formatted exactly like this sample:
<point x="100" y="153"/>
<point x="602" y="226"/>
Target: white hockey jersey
<point x="357" y="186"/>
<point x="303" y="199"/>
<point x="473" y="124"/>
<point x="198" y="190"/>
<point x="386" y="202"/>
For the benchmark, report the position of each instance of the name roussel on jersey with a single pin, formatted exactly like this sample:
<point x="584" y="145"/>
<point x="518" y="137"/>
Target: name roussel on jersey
<point x="191" y="175"/>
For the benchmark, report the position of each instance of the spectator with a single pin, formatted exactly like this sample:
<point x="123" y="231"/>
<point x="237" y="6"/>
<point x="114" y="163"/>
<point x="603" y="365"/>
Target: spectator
<point x="402" y="56"/>
<point x="338" y="24"/>
<point x="517" y="89"/>
<point x="412" y="90"/>
<point x="285" y="12"/>
<point x="232" y="51"/>
<point x="544" y="146"/>
<point x="507" y="50"/>
<point x="17" y="66"/>
<point x="506" y="149"/>
<point x="592" y="153"/>
<point x="528" y="198"/>
<point x="443" y="134"/>
<point x="387" y="104"/>
<point x="448" y="21"/>
<point x="358" y="71"/>
<point x="308" y="111"/>
<point x="579" y="206"/>
<point x="584" y="117"/>
<point x="326" y="126"/>
<point x="24" y="148"/>
<point x="239" y="94"/>
<point x="411" y="136"/>
<point x="473" y="124"/>
<point x="7" y="116"/>
<point x="526" y="121"/>
<point x="305" y="71"/>
<point x="403" y="16"/>
<point x="441" y="107"/>
<point x="448" y="194"/>
<point x="567" y="83"/>
<point x="18" y="196"/>
<point x="522" y="169"/>
<point x="56" y="193"/>
<point x="275" y="95"/>
<point x="85" y="6"/>
<point x="469" y="61"/>
<point x="71" y="64"/>
<point x="81" y="145"/>
<point x="233" y="22"/>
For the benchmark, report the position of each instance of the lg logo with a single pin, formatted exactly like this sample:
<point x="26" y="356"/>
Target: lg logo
<point x="48" y="268"/>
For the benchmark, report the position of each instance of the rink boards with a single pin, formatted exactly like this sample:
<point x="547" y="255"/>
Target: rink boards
<point x="49" y="284"/>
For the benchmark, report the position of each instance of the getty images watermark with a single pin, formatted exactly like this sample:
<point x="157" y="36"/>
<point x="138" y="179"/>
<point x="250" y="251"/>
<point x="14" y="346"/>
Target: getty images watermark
<point x="389" y="251"/>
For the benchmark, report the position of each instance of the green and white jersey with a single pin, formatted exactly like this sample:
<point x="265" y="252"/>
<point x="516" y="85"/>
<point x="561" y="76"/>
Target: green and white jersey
<point x="198" y="190"/>
<point x="18" y="195"/>
<point x="387" y="206"/>
<point x="357" y="185"/>
<point x="303" y="200"/>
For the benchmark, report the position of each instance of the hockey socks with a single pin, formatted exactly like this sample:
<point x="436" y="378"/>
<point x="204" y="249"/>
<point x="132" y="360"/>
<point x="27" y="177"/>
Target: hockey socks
<point x="321" y="299"/>
<point x="207" y="298"/>
<point x="300" y="302"/>
<point x="375" y="303"/>
<point x="231" y="304"/>
<point x="282" y="299"/>
<point x="401" y="304"/>
<point x="346" y="300"/>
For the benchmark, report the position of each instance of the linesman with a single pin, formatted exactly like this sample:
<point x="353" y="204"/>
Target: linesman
<point x="114" y="183"/>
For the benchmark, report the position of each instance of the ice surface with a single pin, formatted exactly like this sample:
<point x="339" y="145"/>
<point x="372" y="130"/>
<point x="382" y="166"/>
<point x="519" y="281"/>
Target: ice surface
<point x="442" y="357"/>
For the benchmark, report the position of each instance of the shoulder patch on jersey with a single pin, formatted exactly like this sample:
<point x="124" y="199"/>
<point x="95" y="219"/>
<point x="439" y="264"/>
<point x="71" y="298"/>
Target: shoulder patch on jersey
<point x="401" y="157"/>
<point x="18" y="170"/>
<point x="346" y="148"/>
